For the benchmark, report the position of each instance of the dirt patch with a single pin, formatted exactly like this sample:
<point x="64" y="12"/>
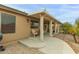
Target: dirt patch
<point x="18" y="48"/>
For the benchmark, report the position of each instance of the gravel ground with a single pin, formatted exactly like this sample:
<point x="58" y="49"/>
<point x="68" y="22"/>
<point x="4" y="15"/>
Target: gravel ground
<point x="19" y="49"/>
<point x="69" y="39"/>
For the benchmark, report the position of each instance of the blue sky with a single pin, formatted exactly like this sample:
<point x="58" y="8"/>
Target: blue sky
<point x="62" y="12"/>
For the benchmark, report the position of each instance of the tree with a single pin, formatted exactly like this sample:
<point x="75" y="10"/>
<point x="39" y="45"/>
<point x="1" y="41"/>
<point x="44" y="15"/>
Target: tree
<point x="77" y="23"/>
<point x="72" y="30"/>
<point x="69" y="29"/>
<point x="66" y="27"/>
<point x="77" y="26"/>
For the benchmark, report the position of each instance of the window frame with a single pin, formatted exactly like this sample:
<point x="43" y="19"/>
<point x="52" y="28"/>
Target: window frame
<point x="9" y="27"/>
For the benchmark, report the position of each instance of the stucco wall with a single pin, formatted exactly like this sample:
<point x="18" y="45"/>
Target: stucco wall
<point x="22" y="28"/>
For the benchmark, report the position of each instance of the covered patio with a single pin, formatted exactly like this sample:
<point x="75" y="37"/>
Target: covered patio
<point x="46" y="24"/>
<point x="46" y="43"/>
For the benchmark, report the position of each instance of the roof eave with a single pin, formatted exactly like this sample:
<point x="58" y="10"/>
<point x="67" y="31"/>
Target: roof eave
<point x="12" y="9"/>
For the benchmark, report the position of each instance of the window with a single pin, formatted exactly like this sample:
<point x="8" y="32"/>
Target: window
<point x="7" y="23"/>
<point x="34" y="24"/>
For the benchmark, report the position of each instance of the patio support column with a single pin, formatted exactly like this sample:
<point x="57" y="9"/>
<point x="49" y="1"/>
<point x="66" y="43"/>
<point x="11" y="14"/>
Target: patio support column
<point x="58" y="28"/>
<point x="55" y="28"/>
<point x="50" y="28"/>
<point x="0" y="22"/>
<point x="41" y="27"/>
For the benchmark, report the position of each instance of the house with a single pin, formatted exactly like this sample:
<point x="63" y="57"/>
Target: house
<point x="15" y="24"/>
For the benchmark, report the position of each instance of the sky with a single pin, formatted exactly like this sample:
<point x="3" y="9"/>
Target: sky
<point x="62" y="12"/>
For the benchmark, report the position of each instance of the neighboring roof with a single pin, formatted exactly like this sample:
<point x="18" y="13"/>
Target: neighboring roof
<point x="35" y="13"/>
<point x="12" y="9"/>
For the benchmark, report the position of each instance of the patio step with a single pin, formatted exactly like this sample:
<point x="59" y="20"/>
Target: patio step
<point x="32" y="43"/>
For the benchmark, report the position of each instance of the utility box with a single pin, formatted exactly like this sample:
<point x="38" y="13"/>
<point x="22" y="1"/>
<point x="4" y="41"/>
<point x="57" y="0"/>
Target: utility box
<point x="1" y="46"/>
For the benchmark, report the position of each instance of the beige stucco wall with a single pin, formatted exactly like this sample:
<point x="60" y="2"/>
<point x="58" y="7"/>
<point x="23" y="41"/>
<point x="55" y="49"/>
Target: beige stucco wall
<point x="22" y="28"/>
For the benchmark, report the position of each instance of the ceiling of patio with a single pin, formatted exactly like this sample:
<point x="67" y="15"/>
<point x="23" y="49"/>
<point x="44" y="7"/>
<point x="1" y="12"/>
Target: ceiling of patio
<point x="47" y="17"/>
<point x="37" y="15"/>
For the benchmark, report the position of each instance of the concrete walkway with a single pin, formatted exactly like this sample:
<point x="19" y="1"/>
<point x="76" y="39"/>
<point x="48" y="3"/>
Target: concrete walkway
<point x="50" y="45"/>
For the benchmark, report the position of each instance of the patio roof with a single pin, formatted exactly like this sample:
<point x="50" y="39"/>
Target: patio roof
<point x="47" y="16"/>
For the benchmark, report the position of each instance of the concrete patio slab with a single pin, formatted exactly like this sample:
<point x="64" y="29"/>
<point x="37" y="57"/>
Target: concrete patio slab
<point x="50" y="45"/>
<point x="56" y="46"/>
<point x="32" y="43"/>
